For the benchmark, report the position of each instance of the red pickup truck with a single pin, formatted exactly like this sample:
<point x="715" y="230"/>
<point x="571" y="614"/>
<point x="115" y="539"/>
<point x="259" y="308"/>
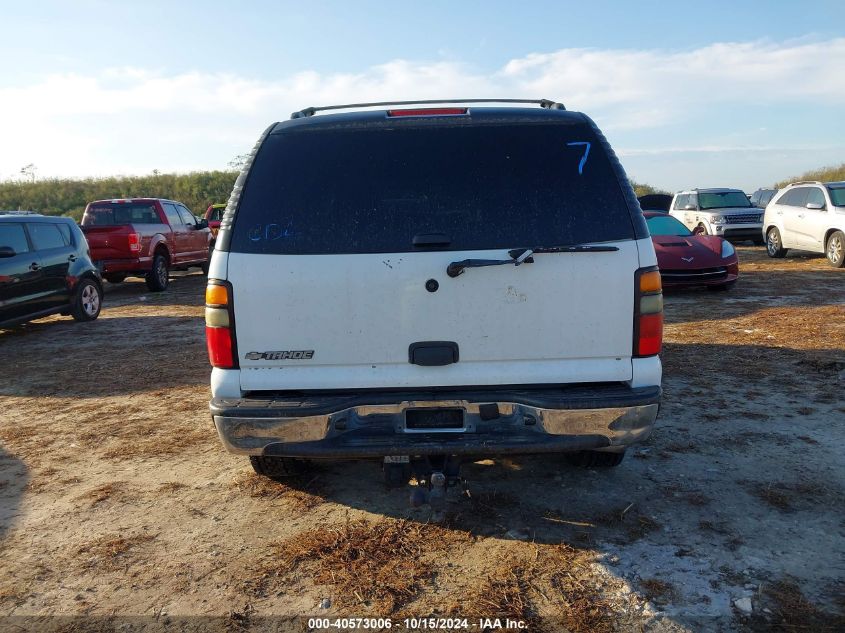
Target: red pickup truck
<point x="145" y="237"/>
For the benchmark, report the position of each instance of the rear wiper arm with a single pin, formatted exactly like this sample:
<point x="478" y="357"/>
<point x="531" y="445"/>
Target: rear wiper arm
<point x="524" y="256"/>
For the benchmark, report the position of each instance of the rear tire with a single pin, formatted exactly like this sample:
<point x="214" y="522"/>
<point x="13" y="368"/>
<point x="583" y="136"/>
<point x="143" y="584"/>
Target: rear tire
<point x="115" y="278"/>
<point x="700" y="230"/>
<point x="595" y="459"/>
<point x="159" y="277"/>
<point x="721" y="287"/>
<point x="88" y="300"/>
<point x="774" y="244"/>
<point x="278" y="467"/>
<point x="835" y="249"/>
<point x="207" y="263"/>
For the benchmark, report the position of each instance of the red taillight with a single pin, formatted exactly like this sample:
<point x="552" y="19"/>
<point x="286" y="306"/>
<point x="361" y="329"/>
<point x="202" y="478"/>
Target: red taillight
<point x="219" y="325"/>
<point x="650" y="340"/>
<point x="219" y="340"/>
<point x="428" y="112"/>
<point x="648" y="312"/>
<point x="134" y="242"/>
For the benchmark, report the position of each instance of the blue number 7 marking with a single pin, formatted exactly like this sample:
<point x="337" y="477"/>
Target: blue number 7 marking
<point x="586" y="145"/>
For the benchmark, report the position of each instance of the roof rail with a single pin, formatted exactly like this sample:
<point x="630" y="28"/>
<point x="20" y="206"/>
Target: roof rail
<point x="807" y="182"/>
<point x="311" y="111"/>
<point x="19" y="212"/>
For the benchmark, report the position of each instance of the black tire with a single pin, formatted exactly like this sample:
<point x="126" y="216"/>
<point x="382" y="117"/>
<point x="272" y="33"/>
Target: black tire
<point x="721" y="287"/>
<point x="700" y="230"/>
<point x="835" y="249"/>
<point x="595" y="459"/>
<point x="116" y="278"/>
<point x="207" y="263"/>
<point x="759" y="242"/>
<point x="87" y="301"/>
<point x="774" y="245"/>
<point x="159" y="276"/>
<point x="278" y="467"/>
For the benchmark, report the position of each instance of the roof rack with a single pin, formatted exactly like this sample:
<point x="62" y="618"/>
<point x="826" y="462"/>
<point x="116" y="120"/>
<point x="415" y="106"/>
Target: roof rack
<point x="311" y="111"/>
<point x="12" y="212"/>
<point x="807" y="182"/>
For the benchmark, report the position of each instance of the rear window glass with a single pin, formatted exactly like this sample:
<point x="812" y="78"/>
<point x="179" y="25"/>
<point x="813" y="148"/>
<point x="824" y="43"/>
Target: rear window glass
<point x="116" y="214"/>
<point x="484" y="186"/>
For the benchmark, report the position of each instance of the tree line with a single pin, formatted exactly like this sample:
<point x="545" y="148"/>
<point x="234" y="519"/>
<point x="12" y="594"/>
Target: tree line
<point x="197" y="190"/>
<point x="825" y="174"/>
<point x="69" y="196"/>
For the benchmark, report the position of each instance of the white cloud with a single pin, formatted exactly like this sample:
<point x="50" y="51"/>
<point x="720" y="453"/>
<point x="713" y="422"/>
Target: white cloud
<point x="132" y="120"/>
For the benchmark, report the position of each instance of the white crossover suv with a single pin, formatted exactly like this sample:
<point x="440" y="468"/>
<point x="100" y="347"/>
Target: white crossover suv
<point x="727" y="213"/>
<point x="809" y="216"/>
<point x="427" y="285"/>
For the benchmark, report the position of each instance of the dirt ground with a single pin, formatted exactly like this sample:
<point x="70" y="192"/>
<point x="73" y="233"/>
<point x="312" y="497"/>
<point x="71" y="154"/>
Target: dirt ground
<point x="116" y="498"/>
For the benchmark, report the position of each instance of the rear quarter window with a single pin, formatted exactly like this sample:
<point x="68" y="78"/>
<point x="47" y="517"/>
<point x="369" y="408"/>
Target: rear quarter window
<point x="13" y="236"/>
<point x="372" y="189"/>
<point x="45" y="236"/>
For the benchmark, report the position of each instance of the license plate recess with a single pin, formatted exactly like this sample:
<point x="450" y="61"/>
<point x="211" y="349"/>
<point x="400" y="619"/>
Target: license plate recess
<point x="434" y="419"/>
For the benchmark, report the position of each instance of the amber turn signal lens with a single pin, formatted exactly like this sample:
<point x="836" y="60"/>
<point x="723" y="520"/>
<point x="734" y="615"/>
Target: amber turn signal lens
<point x="650" y="281"/>
<point x="216" y="295"/>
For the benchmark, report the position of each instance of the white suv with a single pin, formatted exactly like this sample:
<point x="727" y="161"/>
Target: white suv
<point x="724" y="212"/>
<point x="809" y="216"/>
<point x="422" y="286"/>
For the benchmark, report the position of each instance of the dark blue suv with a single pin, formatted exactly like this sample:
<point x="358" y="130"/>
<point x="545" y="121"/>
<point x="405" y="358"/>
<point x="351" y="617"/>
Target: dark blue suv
<point x="45" y="268"/>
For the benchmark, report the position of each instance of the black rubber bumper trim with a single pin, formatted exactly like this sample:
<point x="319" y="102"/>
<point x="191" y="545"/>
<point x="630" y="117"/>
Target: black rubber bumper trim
<point x="358" y="444"/>
<point x="609" y="396"/>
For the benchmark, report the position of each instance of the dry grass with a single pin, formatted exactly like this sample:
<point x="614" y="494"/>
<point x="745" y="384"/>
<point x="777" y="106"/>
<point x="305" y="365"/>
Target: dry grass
<point x="682" y="447"/>
<point x="696" y="499"/>
<point x="299" y="494"/>
<point x="571" y="597"/>
<point x="784" y="496"/>
<point x="635" y="524"/>
<point x="800" y="327"/>
<point x="171" y="487"/>
<point x="374" y="566"/>
<point x="114" y="551"/>
<point x="658" y="591"/>
<point x="112" y="491"/>
<point x="502" y="594"/>
<point x="791" y="611"/>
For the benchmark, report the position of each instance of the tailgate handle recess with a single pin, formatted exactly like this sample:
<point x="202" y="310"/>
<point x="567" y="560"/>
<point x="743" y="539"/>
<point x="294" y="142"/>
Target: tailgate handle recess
<point x="433" y="353"/>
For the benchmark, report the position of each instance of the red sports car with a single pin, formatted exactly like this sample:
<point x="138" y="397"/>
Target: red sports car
<point x="685" y="259"/>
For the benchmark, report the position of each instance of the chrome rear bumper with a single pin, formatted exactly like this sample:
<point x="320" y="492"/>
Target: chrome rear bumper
<point x="498" y="425"/>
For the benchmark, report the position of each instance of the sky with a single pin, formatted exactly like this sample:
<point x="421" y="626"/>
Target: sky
<point x="689" y="94"/>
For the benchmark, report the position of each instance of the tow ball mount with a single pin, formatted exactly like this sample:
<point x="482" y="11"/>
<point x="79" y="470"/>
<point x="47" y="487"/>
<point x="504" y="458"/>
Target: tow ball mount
<point x="435" y="475"/>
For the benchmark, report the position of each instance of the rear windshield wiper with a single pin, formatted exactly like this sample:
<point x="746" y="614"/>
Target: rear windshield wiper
<point x="524" y="256"/>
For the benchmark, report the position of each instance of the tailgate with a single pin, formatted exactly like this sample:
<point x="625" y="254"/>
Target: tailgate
<point x="565" y="318"/>
<point x="108" y="242"/>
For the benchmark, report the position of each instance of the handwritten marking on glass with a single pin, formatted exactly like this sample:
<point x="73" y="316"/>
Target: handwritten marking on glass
<point x="586" y="145"/>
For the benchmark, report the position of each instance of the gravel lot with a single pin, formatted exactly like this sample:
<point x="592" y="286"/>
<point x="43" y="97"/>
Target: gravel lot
<point x="116" y="498"/>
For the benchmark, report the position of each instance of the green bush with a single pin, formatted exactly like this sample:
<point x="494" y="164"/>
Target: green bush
<point x="825" y="174"/>
<point x="196" y="190"/>
<point x="642" y="190"/>
<point x="68" y="197"/>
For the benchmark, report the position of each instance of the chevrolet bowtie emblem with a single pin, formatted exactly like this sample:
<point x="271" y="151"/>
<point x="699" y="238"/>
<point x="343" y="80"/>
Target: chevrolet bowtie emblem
<point x="687" y="259"/>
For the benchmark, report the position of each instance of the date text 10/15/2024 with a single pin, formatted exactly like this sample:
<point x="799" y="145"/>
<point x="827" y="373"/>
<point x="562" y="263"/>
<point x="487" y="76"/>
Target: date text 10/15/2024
<point x="416" y="624"/>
